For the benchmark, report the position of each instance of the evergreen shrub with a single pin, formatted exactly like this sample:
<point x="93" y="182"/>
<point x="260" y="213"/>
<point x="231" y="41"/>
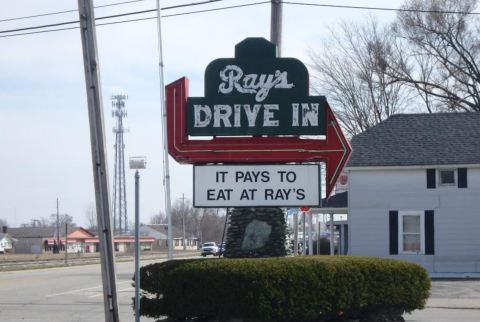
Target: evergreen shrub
<point x="314" y="288"/>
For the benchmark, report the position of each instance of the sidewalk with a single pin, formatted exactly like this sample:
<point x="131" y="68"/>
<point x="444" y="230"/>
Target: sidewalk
<point x="450" y="300"/>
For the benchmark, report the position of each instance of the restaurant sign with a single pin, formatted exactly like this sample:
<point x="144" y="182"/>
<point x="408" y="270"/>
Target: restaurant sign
<point x="256" y="93"/>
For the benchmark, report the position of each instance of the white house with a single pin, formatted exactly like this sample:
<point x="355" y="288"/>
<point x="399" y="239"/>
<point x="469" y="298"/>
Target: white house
<point x="414" y="192"/>
<point x="6" y="243"/>
<point x="160" y="232"/>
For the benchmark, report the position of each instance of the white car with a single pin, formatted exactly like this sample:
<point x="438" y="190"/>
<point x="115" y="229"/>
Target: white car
<point x="209" y="248"/>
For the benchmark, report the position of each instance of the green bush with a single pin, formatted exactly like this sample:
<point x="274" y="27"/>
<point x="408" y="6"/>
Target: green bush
<point x="281" y="289"/>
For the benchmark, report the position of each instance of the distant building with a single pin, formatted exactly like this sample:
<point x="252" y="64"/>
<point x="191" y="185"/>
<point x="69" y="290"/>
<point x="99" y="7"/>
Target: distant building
<point x="160" y="233"/>
<point x="36" y="240"/>
<point x="33" y="240"/>
<point x="6" y="243"/>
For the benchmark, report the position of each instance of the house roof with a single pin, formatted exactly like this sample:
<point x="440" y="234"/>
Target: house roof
<point x="419" y="139"/>
<point x="32" y="232"/>
<point x="163" y="228"/>
<point x="80" y="233"/>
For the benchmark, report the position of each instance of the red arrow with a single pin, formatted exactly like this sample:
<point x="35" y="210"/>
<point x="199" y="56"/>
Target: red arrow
<point x="334" y="149"/>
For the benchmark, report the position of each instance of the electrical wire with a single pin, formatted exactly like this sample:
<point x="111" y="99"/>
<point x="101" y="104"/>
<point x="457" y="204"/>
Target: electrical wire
<point x="195" y="12"/>
<point x="216" y="9"/>
<point x="118" y="22"/>
<point x="109" y="5"/>
<point x="378" y="8"/>
<point x="67" y="11"/>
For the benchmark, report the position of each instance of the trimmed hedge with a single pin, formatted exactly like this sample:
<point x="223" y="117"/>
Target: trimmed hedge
<point x="281" y="289"/>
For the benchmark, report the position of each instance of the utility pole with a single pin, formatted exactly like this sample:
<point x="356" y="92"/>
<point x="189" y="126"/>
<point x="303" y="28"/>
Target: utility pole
<point x="166" y="171"/>
<point x="58" y="226"/>
<point x="276" y="25"/>
<point x="183" y="221"/>
<point x="99" y="159"/>
<point x="66" y="244"/>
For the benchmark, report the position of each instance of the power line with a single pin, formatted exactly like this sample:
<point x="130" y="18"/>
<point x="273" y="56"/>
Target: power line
<point x="199" y="11"/>
<point x="379" y="8"/>
<point x="216" y="9"/>
<point x="118" y="22"/>
<point x="108" y="5"/>
<point x="67" y="11"/>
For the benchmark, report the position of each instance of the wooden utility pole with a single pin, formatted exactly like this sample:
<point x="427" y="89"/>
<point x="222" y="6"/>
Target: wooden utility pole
<point x="276" y="25"/>
<point x="99" y="161"/>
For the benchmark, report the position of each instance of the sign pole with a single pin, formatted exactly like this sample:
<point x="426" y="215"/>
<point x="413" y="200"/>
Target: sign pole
<point x="99" y="161"/>
<point x="295" y="233"/>
<point x="310" y="234"/>
<point x="304" y="237"/>
<point x="332" y="240"/>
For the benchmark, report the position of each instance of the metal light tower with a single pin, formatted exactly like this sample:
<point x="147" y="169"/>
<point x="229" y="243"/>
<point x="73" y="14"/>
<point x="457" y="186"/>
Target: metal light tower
<point x="120" y="220"/>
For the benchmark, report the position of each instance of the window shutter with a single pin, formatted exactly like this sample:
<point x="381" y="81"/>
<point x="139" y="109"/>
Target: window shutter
<point x="429" y="233"/>
<point x="431" y="184"/>
<point x="393" y="222"/>
<point x="462" y="177"/>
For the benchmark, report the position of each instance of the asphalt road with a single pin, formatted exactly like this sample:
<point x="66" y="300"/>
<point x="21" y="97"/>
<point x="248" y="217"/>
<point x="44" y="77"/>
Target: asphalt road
<point x="63" y="294"/>
<point x="75" y="294"/>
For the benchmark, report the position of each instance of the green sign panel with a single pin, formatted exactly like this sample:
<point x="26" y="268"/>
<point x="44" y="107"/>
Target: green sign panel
<point x="256" y="93"/>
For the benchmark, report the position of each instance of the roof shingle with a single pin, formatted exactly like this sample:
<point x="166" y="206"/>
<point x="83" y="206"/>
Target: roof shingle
<point x="419" y="139"/>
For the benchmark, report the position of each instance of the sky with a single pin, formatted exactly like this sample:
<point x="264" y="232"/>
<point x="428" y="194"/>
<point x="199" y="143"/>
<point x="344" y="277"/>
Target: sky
<point x="44" y="131"/>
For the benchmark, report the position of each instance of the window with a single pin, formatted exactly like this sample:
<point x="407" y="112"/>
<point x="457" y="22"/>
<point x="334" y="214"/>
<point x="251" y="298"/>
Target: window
<point x="411" y="232"/>
<point x="446" y="177"/>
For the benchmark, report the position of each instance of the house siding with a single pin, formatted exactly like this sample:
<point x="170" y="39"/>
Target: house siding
<point x="373" y="193"/>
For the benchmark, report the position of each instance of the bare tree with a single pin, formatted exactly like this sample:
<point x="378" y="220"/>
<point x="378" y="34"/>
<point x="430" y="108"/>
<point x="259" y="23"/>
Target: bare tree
<point x="212" y="224"/>
<point x="159" y="218"/>
<point x="437" y="53"/>
<point x="206" y="224"/>
<point x="91" y="217"/>
<point x="38" y="222"/>
<point x="350" y="70"/>
<point x="62" y="219"/>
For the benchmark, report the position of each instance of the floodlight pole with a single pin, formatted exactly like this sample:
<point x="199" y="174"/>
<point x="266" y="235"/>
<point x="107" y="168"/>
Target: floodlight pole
<point x="137" y="247"/>
<point x="99" y="159"/>
<point x="137" y="163"/>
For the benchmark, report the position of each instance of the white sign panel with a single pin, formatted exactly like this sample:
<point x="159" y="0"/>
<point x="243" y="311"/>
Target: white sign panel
<point x="256" y="185"/>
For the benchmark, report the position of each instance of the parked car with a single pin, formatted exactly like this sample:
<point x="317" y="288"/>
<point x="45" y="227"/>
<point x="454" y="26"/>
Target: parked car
<point x="209" y="248"/>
